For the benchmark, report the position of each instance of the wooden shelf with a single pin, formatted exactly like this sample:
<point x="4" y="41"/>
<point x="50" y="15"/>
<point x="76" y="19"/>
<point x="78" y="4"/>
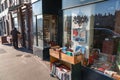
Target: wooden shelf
<point x="72" y="62"/>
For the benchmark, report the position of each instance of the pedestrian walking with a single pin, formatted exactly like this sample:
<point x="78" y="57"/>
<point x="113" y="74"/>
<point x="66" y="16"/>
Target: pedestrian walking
<point x="15" y="34"/>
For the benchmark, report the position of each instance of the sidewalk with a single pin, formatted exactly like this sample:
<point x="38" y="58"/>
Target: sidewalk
<point x="22" y="65"/>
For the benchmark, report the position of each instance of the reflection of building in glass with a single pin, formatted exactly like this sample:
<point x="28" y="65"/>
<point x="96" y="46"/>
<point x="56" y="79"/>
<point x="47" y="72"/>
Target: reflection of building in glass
<point x="102" y="21"/>
<point x="104" y="39"/>
<point x="117" y="21"/>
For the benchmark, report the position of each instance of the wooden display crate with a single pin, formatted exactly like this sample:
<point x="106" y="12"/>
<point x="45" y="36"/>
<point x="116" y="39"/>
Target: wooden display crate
<point x="54" y="53"/>
<point x="4" y="39"/>
<point x="71" y="59"/>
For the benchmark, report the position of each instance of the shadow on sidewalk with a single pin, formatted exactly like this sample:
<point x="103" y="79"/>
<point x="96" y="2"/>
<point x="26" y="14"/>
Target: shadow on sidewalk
<point x="25" y="50"/>
<point x="21" y="49"/>
<point x="7" y="44"/>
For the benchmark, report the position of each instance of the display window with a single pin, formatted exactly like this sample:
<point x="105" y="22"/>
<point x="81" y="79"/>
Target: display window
<point x="38" y="30"/>
<point x="50" y="30"/>
<point x="67" y="27"/>
<point x="37" y="24"/>
<point x="45" y="30"/>
<point x="77" y="27"/>
<point x="95" y="27"/>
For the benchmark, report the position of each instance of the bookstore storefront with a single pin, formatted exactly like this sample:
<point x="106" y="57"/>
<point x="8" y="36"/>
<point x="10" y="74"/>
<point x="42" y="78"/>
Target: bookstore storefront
<point x="93" y="30"/>
<point x="45" y="26"/>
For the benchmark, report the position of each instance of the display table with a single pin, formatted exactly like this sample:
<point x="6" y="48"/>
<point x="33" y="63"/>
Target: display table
<point x="4" y="39"/>
<point x="71" y="62"/>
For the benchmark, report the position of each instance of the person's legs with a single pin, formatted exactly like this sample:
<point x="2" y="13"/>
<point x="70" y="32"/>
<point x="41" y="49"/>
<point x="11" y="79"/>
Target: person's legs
<point x="14" y="43"/>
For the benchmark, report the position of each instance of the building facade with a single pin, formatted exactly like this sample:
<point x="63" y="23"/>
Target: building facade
<point x="4" y="18"/>
<point x="86" y="25"/>
<point x="18" y="14"/>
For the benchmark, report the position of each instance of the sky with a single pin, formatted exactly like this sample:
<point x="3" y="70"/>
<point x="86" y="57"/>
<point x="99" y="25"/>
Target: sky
<point x="106" y="7"/>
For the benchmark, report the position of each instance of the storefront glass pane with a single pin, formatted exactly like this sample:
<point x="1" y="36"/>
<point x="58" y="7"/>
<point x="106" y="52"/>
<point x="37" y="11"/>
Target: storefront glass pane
<point x="50" y="30"/>
<point x="16" y="23"/>
<point x="72" y="3"/>
<point x="94" y="26"/>
<point x="37" y="8"/>
<point x="37" y="23"/>
<point x="40" y="30"/>
<point x="67" y="26"/>
<point x="32" y="1"/>
<point x="34" y="30"/>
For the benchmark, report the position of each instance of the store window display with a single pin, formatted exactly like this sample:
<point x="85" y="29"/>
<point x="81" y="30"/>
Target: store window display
<point x="99" y="24"/>
<point x="50" y="30"/>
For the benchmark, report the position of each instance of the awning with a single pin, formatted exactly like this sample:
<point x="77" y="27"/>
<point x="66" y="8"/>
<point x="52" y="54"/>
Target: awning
<point x="4" y="13"/>
<point x="12" y="8"/>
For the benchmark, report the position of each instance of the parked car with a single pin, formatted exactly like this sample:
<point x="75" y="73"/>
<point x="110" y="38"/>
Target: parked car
<point x="101" y="34"/>
<point x="105" y="33"/>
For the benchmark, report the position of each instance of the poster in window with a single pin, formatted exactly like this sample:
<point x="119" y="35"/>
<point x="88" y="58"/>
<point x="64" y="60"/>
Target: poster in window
<point x="79" y="25"/>
<point x="79" y="20"/>
<point x="79" y="35"/>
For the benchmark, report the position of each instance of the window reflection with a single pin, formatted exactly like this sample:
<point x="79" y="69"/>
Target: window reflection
<point x="40" y="27"/>
<point x="102" y="25"/>
<point x="38" y="30"/>
<point x="67" y="27"/>
<point x="33" y="1"/>
<point x="16" y="22"/>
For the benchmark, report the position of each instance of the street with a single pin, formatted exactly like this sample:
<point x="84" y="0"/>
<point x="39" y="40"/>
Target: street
<point x="21" y="64"/>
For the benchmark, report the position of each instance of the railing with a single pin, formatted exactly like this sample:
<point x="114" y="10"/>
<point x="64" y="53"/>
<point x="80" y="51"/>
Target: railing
<point x="18" y="2"/>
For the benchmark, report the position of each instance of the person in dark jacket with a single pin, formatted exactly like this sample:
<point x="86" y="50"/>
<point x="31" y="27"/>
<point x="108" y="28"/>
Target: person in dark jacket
<point x="14" y="34"/>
